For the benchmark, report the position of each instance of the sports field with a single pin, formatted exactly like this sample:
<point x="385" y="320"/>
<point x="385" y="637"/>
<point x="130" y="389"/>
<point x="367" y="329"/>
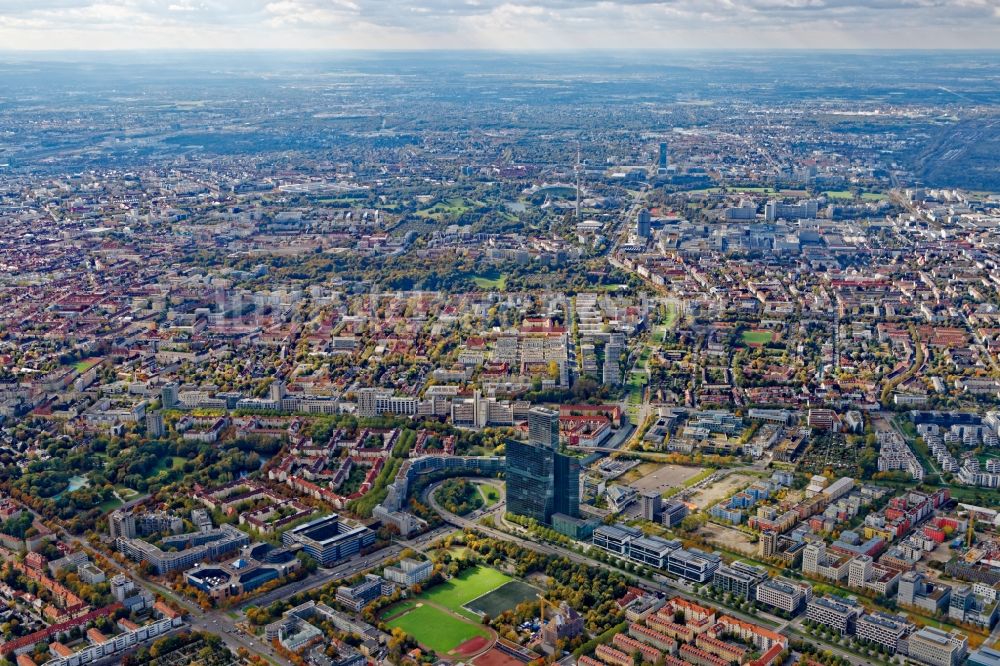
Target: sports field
<point x="471" y="583"/>
<point x="436" y="629"/>
<point x="504" y="598"/>
<point x="757" y="338"/>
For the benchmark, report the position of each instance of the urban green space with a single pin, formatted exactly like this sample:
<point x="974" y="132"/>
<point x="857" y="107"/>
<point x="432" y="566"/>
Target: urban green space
<point x="434" y="628"/>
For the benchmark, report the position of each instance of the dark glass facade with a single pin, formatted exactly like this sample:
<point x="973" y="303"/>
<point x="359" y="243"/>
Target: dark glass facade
<point x="541" y="482"/>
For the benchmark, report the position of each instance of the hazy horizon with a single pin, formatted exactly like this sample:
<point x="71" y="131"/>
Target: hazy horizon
<point x="497" y="25"/>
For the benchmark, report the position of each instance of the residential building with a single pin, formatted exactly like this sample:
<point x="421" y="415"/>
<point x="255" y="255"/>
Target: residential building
<point x="409" y="572"/>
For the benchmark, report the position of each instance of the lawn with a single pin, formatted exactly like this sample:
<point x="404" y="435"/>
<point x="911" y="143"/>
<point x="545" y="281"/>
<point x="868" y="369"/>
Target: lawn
<point x="449" y="209"/>
<point x="109" y="505"/>
<point x="471" y="583"/>
<point x="673" y="315"/>
<point x="167" y="463"/>
<point x="126" y="493"/>
<point x="504" y="598"/>
<point x="491" y="279"/>
<point x="490" y="494"/>
<point x="756" y="338"/>
<point x="436" y="629"/>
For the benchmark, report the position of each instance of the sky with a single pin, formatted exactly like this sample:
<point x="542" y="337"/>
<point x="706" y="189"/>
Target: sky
<point x="497" y="24"/>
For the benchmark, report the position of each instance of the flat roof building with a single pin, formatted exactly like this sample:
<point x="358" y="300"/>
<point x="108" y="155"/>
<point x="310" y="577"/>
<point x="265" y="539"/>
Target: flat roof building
<point x="937" y="648"/>
<point x="329" y="540"/>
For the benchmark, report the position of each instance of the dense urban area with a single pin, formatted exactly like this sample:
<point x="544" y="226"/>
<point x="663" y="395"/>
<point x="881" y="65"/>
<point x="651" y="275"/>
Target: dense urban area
<point x="494" y="360"/>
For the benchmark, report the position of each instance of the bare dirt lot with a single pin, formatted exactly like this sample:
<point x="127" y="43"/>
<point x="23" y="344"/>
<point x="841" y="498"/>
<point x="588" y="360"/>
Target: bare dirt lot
<point x="664" y="477"/>
<point x="728" y="538"/>
<point x="720" y="490"/>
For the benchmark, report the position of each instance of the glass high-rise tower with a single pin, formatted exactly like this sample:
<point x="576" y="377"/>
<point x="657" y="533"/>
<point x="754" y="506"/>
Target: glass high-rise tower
<point x="540" y="480"/>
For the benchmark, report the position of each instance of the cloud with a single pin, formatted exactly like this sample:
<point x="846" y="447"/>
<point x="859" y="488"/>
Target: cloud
<point x="535" y="24"/>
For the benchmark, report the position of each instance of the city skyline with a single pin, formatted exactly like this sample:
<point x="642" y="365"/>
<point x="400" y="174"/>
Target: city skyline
<point x="497" y="24"/>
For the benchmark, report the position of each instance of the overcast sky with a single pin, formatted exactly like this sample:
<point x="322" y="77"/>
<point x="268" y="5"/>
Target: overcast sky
<point x="497" y="24"/>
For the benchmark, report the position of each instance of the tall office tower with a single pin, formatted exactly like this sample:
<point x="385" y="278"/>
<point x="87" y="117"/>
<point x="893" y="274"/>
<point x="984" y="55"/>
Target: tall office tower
<point x="643" y="224"/>
<point x="661" y="163"/>
<point x="168" y="395"/>
<point x="543" y="427"/>
<point x="530" y="480"/>
<point x="540" y="481"/>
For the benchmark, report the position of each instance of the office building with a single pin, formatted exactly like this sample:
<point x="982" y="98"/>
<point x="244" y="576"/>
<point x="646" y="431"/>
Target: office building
<point x="543" y="427"/>
<point x="644" y="224"/>
<point x="631" y="544"/>
<point x="652" y="551"/>
<point x="739" y="579"/>
<point x="662" y="161"/>
<point x="567" y="485"/>
<point x="376" y="401"/>
<point x="835" y="612"/>
<point x="652" y="505"/>
<point x="934" y="647"/>
<point x="540" y="481"/>
<point x="615" y="539"/>
<point x="784" y="594"/>
<point x="915" y="590"/>
<point x="774" y="210"/>
<point x="329" y="540"/>
<point x="984" y="656"/>
<point x="967" y="606"/>
<point x="182" y="551"/>
<point x="673" y="512"/>
<point x="358" y="596"/>
<point x="695" y="565"/>
<point x="889" y="631"/>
